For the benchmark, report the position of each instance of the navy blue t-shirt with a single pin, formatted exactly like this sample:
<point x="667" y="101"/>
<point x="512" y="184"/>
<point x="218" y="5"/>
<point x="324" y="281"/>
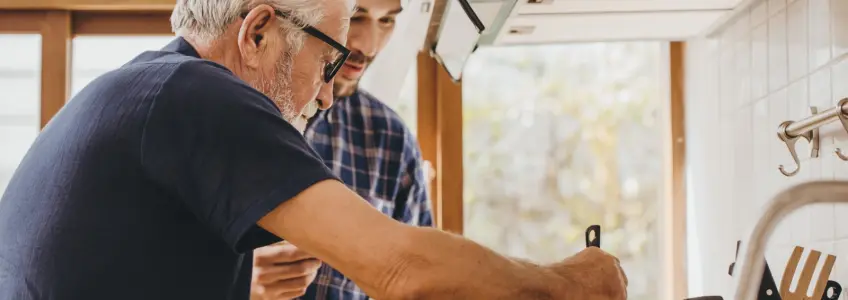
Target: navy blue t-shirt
<point x="149" y="184"/>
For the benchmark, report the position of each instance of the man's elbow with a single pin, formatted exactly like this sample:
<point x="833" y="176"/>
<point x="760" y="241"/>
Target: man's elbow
<point x="406" y="292"/>
<point x="410" y="285"/>
<point x="407" y="273"/>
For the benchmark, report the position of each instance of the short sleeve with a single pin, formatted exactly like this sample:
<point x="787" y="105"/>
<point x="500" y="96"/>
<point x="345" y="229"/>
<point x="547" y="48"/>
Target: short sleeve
<point x="223" y="149"/>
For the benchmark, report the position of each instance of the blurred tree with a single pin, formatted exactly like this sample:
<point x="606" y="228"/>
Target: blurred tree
<point x="559" y="137"/>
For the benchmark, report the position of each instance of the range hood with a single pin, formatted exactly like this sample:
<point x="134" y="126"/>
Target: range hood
<point x="528" y="22"/>
<point x="525" y="22"/>
<point x="565" y="21"/>
<point x="461" y="26"/>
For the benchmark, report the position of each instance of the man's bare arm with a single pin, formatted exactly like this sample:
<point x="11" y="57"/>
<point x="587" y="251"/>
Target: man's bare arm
<point x="390" y="260"/>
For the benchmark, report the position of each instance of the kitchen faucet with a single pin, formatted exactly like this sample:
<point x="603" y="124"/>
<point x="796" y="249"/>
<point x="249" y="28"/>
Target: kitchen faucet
<point x="786" y="202"/>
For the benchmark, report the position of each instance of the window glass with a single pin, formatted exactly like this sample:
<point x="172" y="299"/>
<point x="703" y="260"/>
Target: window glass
<point x="560" y="137"/>
<point x="407" y="104"/>
<point x="95" y="55"/>
<point x="20" y="93"/>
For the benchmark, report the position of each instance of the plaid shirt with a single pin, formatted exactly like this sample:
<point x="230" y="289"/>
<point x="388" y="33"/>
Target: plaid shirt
<point x="367" y="145"/>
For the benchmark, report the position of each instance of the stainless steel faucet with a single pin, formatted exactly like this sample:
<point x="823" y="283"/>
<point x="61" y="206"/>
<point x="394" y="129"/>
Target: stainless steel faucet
<point x="786" y="202"/>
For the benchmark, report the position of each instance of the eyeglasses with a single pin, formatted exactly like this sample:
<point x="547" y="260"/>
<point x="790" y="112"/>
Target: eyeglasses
<point x="330" y="69"/>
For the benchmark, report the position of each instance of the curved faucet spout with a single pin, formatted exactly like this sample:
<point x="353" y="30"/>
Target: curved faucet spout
<point x="786" y="202"/>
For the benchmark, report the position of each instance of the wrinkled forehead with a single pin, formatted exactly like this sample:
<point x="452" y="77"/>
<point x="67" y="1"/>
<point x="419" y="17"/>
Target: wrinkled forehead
<point x="335" y="21"/>
<point x="337" y="14"/>
<point x="380" y="7"/>
<point x="350" y="5"/>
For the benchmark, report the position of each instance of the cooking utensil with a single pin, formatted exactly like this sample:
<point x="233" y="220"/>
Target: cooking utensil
<point x="824" y="274"/>
<point x="833" y="286"/>
<point x="800" y="292"/>
<point x="733" y="264"/>
<point x="768" y="288"/>
<point x="593" y="236"/>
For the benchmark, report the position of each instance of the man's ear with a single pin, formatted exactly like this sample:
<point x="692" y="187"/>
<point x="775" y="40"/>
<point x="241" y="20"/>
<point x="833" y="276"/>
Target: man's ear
<point x="252" y="41"/>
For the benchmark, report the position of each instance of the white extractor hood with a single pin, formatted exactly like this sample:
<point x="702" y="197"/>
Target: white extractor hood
<point x="522" y="22"/>
<point x="565" y="21"/>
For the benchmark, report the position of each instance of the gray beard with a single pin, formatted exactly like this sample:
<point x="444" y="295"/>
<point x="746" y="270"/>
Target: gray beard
<point x="279" y="90"/>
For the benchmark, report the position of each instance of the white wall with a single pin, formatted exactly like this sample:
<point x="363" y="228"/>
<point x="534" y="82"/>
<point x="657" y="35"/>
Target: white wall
<point x="766" y="66"/>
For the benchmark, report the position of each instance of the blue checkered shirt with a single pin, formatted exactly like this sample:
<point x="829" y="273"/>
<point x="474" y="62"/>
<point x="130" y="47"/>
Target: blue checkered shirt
<point x="368" y="146"/>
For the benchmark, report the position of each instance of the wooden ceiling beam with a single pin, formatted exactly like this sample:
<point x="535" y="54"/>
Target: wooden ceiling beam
<point x="121" y="23"/>
<point x="88" y="5"/>
<point x="21" y="21"/>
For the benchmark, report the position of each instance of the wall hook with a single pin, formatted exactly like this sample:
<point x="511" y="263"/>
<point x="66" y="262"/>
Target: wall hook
<point x="811" y="136"/>
<point x="844" y="120"/>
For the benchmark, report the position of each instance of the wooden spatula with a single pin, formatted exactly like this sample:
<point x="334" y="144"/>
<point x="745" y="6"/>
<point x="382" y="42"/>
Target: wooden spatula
<point x="809" y="268"/>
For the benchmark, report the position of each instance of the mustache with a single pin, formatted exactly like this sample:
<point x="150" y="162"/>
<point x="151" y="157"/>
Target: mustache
<point x="357" y="57"/>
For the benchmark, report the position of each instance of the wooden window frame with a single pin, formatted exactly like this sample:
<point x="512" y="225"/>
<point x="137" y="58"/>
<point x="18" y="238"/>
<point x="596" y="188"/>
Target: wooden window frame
<point x="55" y="30"/>
<point x="439" y="109"/>
<point x="674" y="231"/>
<point x="58" y="28"/>
<point x="122" y="23"/>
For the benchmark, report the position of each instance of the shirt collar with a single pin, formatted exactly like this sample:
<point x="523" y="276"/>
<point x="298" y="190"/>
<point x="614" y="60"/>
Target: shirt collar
<point x="181" y="46"/>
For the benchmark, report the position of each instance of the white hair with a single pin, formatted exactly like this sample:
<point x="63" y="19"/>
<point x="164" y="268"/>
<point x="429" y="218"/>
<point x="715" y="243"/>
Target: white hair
<point x="207" y="20"/>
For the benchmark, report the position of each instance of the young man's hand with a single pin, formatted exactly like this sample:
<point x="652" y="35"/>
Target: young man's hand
<point x="592" y="274"/>
<point x="281" y="271"/>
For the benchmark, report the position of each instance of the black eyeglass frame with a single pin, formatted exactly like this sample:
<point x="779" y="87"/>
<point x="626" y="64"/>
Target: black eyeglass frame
<point x="330" y="69"/>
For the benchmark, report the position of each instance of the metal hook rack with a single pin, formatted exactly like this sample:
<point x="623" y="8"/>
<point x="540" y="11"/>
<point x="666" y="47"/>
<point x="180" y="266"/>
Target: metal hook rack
<point x="790" y="131"/>
<point x="783" y="204"/>
<point x="768" y="290"/>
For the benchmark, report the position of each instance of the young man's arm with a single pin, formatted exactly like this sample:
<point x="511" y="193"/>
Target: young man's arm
<point x="391" y="260"/>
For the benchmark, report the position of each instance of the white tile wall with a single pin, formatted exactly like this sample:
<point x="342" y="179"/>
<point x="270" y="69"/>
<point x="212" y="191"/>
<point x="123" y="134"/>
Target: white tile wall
<point x="766" y="66"/>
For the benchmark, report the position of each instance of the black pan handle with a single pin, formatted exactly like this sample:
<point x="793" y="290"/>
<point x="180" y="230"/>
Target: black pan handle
<point x="837" y="290"/>
<point x="593" y="231"/>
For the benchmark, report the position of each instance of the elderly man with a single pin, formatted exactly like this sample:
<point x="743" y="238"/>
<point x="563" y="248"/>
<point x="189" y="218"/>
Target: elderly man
<point x="367" y="145"/>
<point x="158" y="179"/>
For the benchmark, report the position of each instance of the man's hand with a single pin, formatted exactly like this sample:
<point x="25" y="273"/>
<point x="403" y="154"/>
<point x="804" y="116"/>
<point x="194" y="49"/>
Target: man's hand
<point x="281" y="271"/>
<point x="592" y="274"/>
